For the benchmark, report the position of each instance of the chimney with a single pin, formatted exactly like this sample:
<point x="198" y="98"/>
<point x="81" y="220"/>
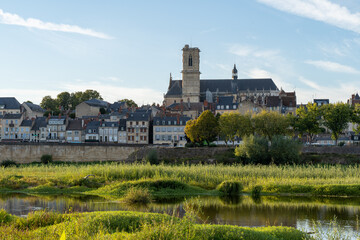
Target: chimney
<point x="205" y="103"/>
<point x="178" y="119"/>
<point x="217" y="99"/>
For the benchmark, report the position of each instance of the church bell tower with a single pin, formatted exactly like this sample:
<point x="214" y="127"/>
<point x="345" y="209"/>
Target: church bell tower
<point x="191" y="74"/>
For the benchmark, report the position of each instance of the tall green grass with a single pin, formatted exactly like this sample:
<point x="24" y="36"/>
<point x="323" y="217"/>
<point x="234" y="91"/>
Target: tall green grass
<point x="272" y="178"/>
<point x="135" y="225"/>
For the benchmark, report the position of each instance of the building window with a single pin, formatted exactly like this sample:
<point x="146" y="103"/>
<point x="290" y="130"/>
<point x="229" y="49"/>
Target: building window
<point x="227" y="106"/>
<point x="190" y="61"/>
<point x="234" y="106"/>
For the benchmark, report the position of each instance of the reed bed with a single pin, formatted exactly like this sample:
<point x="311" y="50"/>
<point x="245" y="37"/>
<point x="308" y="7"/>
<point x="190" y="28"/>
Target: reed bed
<point x="205" y="176"/>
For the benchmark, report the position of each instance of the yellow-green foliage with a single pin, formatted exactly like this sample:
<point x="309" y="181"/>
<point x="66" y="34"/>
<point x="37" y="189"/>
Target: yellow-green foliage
<point x="137" y="195"/>
<point x="288" y="178"/>
<point x="230" y="188"/>
<point x="136" y="225"/>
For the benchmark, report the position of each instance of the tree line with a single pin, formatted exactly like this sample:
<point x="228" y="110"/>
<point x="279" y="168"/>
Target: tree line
<point x="65" y="101"/>
<point x="308" y="121"/>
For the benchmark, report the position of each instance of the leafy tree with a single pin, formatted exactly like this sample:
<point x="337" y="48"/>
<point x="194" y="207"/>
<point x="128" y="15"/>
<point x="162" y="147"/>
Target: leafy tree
<point x="208" y="127"/>
<point x="28" y="101"/>
<point x="284" y="150"/>
<point x="63" y="100"/>
<point x="191" y="131"/>
<point x="307" y="120"/>
<point x="204" y="128"/>
<point x="90" y="94"/>
<point x="255" y="149"/>
<point x="336" y="118"/>
<point x="75" y="99"/>
<point x="269" y="124"/>
<point x="245" y="126"/>
<point x="49" y="103"/>
<point x="229" y="125"/>
<point x="102" y="110"/>
<point x="355" y="118"/>
<point x="129" y="102"/>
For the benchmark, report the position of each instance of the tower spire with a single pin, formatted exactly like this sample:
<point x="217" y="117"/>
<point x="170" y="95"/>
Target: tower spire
<point x="170" y="81"/>
<point x="234" y="73"/>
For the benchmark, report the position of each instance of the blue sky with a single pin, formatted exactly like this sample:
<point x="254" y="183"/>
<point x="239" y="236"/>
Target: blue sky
<point x="127" y="49"/>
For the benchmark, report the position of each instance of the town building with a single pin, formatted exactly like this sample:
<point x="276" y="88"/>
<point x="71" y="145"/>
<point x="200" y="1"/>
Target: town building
<point x="193" y="89"/>
<point x="138" y="126"/>
<point x="9" y="105"/>
<point x="122" y="134"/>
<point x="31" y="110"/>
<point x="169" y="130"/>
<point x="108" y="132"/>
<point x="355" y="99"/>
<point x="25" y="129"/>
<point x="57" y="128"/>
<point x="92" y="131"/>
<point x="39" y="130"/>
<point x="74" y="131"/>
<point x="90" y="108"/>
<point x="10" y="126"/>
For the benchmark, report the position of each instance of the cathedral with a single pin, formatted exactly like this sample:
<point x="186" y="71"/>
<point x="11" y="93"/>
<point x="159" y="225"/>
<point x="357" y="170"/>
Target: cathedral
<point x="262" y="93"/>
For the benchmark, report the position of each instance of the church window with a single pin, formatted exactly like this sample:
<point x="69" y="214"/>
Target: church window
<point x="190" y="61"/>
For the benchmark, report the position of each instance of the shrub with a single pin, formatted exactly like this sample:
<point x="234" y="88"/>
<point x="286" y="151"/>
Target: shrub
<point x="230" y="188"/>
<point x="255" y="149"/>
<point x="256" y="191"/>
<point x="8" y="163"/>
<point x="137" y="195"/>
<point x="341" y="144"/>
<point x="284" y="150"/>
<point x="46" y="158"/>
<point x="152" y="157"/>
<point x="5" y="217"/>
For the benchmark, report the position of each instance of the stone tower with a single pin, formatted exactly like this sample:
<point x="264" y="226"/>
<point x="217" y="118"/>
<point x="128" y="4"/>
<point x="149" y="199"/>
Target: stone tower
<point x="191" y="74"/>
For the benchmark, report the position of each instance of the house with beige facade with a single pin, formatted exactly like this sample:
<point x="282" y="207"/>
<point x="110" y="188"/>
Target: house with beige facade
<point x="90" y="108"/>
<point x="169" y="131"/>
<point x="57" y="129"/>
<point x="31" y="111"/>
<point x="137" y="127"/>
<point x="108" y="132"/>
<point x="9" y="105"/>
<point x="11" y="127"/>
<point x="75" y="131"/>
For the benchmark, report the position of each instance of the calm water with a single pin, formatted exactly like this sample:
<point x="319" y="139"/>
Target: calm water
<point x="298" y="212"/>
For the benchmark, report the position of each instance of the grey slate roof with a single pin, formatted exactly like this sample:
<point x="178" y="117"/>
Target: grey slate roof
<point x="39" y="123"/>
<point x="34" y="107"/>
<point x="97" y="103"/>
<point x="226" y="85"/>
<point x="75" y="125"/>
<point x="26" y="123"/>
<point x="228" y="100"/>
<point x="139" y="116"/>
<point x="116" y="106"/>
<point x="109" y="124"/>
<point x="9" y="103"/>
<point x="12" y="116"/>
<point x="94" y="125"/>
<point x="122" y="125"/>
<point x="159" y="121"/>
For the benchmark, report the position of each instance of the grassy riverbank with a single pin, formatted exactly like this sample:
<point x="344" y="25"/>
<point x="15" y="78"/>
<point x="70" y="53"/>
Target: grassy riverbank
<point x="129" y="225"/>
<point x="165" y="180"/>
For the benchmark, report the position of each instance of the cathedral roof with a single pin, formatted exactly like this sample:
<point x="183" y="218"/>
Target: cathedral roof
<point x="226" y="85"/>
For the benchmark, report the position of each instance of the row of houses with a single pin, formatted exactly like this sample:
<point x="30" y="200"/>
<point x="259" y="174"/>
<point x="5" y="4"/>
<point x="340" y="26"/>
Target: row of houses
<point x="125" y="126"/>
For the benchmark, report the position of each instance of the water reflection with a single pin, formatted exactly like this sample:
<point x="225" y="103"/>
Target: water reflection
<point x="299" y="212"/>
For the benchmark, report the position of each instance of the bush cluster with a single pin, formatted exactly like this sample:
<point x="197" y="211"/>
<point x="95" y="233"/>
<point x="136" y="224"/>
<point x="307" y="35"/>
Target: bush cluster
<point x="46" y="158"/>
<point x="230" y="188"/>
<point x="258" y="150"/>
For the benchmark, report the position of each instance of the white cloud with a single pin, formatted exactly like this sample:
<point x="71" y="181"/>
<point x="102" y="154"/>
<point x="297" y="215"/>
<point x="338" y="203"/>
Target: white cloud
<point x="341" y="92"/>
<point x="14" y="19"/>
<point x="113" y="93"/>
<point x="310" y="83"/>
<point x="246" y="51"/>
<point x="320" y="10"/>
<point x="333" y="66"/>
